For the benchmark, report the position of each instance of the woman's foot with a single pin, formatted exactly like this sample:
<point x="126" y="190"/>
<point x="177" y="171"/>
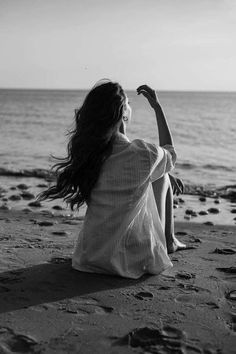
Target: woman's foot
<point x="175" y="245"/>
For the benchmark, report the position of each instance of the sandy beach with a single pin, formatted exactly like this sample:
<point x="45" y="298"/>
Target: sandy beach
<point x="47" y="307"/>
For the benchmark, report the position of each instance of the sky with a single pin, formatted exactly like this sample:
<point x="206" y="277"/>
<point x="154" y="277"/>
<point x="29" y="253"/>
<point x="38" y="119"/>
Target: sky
<point x="71" y="44"/>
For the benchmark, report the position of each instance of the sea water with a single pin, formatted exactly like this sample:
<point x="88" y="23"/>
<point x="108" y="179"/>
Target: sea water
<point x="34" y="125"/>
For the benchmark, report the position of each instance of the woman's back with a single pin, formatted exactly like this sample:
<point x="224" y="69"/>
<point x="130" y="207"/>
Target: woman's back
<point x="121" y="226"/>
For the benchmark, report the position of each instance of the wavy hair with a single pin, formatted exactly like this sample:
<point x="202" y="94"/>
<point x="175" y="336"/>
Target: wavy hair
<point x="90" y="144"/>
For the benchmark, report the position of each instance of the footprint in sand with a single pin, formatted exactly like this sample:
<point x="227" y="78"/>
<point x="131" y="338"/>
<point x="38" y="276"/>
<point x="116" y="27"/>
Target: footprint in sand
<point x="191" y="287"/>
<point x="85" y="306"/>
<point x="11" y="342"/>
<point x="224" y="251"/>
<point x="197" y="299"/>
<point x="144" y="295"/>
<point x="167" y="340"/>
<point x="230" y="270"/>
<point x="59" y="260"/>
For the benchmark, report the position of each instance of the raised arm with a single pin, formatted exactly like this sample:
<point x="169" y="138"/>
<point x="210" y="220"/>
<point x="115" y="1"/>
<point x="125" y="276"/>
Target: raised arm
<point x="165" y="136"/>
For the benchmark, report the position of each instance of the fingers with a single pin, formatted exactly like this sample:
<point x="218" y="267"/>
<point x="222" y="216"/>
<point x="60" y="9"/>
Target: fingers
<point x="145" y="88"/>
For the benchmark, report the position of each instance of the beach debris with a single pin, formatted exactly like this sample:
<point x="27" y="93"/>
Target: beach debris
<point x="181" y="200"/>
<point x="203" y="212"/>
<point x="45" y="223"/>
<point x="35" y="204"/>
<point x="231" y="270"/>
<point x="213" y="210"/>
<point x="27" y="195"/>
<point x="224" y="251"/>
<point x="231" y="295"/>
<point x="22" y="186"/>
<point x="228" y="192"/>
<point x="202" y="199"/>
<point x="15" y="197"/>
<point x="209" y="223"/>
<point x="142" y="295"/>
<point x="194" y="214"/>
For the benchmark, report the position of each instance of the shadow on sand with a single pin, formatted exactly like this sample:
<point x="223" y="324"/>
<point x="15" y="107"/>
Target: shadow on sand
<point x="51" y="282"/>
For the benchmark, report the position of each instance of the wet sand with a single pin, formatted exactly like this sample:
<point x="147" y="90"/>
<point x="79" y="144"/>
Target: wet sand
<point x="47" y="307"/>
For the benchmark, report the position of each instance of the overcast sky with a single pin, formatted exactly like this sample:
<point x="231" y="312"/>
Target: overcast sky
<point x="170" y="44"/>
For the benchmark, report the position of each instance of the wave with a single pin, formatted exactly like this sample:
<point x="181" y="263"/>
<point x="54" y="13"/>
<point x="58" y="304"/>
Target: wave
<point x="191" y="166"/>
<point x="35" y="172"/>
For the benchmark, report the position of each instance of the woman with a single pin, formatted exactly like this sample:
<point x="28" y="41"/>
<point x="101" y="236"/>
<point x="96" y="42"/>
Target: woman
<point x="128" y="227"/>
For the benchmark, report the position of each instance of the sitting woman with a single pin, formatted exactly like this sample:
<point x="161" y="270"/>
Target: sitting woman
<point x="128" y="228"/>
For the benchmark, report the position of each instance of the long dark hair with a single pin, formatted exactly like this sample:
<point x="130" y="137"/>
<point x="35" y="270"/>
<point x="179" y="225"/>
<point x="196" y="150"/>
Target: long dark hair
<point x="90" y="144"/>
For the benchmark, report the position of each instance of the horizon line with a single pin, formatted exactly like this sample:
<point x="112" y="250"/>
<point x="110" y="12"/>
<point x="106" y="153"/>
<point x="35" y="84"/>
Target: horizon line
<point x="128" y="89"/>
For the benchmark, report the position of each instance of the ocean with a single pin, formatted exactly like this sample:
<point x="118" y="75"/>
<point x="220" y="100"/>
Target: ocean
<point x="34" y="126"/>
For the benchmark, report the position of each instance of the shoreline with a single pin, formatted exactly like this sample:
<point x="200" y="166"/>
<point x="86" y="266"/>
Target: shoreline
<point x="47" y="307"/>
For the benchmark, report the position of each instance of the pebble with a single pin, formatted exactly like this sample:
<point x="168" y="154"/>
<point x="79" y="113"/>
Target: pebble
<point x="213" y="210"/>
<point x="22" y="186"/>
<point x="5" y="207"/>
<point x="57" y="207"/>
<point x="194" y="214"/>
<point x="12" y="188"/>
<point x="27" y="210"/>
<point x="45" y="223"/>
<point x="209" y="223"/>
<point x="188" y="211"/>
<point x="187" y="217"/>
<point x="27" y="195"/>
<point x="203" y="212"/>
<point x="217" y="201"/>
<point x="3" y="190"/>
<point x="35" y="204"/>
<point x="233" y="211"/>
<point x="202" y="199"/>
<point x="181" y="200"/>
<point x="15" y="197"/>
<point x="60" y="233"/>
<point x="175" y="206"/>
<point x="5" y="199"/>
<point x="185" y="275"/>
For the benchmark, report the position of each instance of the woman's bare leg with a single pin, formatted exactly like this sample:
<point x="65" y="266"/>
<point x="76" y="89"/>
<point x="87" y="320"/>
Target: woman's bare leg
<point x="164" y="200"/>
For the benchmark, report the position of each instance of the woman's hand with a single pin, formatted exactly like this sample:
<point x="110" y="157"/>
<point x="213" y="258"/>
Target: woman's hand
<point x="150" y="95"/>
<point x="177" y="185"/>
